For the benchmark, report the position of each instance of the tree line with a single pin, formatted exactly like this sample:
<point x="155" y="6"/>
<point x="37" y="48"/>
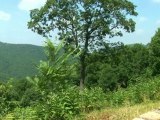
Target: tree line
<point x="84" y="72"/>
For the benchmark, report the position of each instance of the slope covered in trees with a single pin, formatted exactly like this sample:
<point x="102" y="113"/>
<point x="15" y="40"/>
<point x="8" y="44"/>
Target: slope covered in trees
<point x="19" y="60"/>
<point x="85" y="72"/>
<point x="117" y="75"/>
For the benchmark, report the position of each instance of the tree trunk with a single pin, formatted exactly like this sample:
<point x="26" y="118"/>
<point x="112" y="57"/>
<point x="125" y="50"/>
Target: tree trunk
<point x="82" y="70"/>
<point x="83" y="60"/>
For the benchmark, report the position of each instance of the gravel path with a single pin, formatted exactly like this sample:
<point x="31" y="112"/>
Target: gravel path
<point x="152" y="115"/>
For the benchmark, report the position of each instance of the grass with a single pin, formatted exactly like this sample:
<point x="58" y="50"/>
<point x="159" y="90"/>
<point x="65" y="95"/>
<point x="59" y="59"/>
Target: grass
<point x="123" y="113"/>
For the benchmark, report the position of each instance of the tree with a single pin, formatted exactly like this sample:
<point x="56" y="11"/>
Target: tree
<point x="58" y="71"/>
<point x="84" y="23"/>
<point x="117" y="65"/>
<point x="154" y="48"/>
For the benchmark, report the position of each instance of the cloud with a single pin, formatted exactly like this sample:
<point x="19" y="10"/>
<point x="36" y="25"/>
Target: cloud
<point x="156" y="1"/>
<point x="142" y="19"/>
<point x="158" y="22"/>
<point x="139" y="31"/>
<point x="4" y="16"/>
<point x="30" y="4"/>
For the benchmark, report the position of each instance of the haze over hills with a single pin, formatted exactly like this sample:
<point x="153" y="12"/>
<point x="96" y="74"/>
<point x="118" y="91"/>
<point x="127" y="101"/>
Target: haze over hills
<point x="19" y="60"/>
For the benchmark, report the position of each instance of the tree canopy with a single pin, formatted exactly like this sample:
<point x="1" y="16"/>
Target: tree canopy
<point x="84" y="23"/>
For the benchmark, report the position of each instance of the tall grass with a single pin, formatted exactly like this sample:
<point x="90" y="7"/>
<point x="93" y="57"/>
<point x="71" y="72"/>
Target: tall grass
<point x="141" y="92"/>
<point x="125" y="104"/>
<point x="123" y="113"/>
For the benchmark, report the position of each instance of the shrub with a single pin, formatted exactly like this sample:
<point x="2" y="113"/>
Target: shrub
<point x="91" y="99"/>
<point x="70" y="102"/>
<point x="142" y="92"/>
<point x="22" y="114"/>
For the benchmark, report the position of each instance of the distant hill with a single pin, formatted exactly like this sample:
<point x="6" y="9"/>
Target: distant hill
<point x="19" y="60"/>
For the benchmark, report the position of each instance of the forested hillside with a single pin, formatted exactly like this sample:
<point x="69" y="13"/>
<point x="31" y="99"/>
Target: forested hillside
<point x="19" y="60"/>
<point x="85" y="72"/>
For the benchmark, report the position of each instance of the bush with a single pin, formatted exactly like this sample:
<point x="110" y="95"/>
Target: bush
<point x="142" y="92"/>
<point x="91" y="99"/>
<point x="70" y="102"/>
<point x="22" y="114"/>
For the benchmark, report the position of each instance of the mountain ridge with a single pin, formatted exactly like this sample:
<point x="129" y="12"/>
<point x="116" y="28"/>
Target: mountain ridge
<point x="19" y="60"/>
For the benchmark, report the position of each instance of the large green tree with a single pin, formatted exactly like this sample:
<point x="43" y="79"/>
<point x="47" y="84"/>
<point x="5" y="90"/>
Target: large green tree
<point x="84" y="23"/>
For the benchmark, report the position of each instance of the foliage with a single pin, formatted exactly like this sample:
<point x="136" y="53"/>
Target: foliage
<point x="19" y="61"/>
<point x="17" y="93"/>
<point x="58" y="71"/>
<point x="91" y="99"/>
<point x="84" y="24"/>
<point x="141" y="92"/>
<point x="22" y="114"/>
<point x="71" y="102"/>
<point x="123" y="72"/>
<point x="117" y="65"/>
<point x="64" y="105"/>
<point x="124" y="112"/>
<point x="6" y="98"/>
<point x="60" y="99"/>
<point x="60" y="106"/>
<point x="154" y="53"/>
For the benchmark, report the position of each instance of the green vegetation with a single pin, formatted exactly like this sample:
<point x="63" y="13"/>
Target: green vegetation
<point x="84" y="24"/>
<point x="123" y="113"/>
<point x="19" y="61"/>
<point x="83" y="73"/>
<point x="52" y="94"/>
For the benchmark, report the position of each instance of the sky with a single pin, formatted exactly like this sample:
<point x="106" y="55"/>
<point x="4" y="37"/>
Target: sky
<point x="14" y="15"/>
